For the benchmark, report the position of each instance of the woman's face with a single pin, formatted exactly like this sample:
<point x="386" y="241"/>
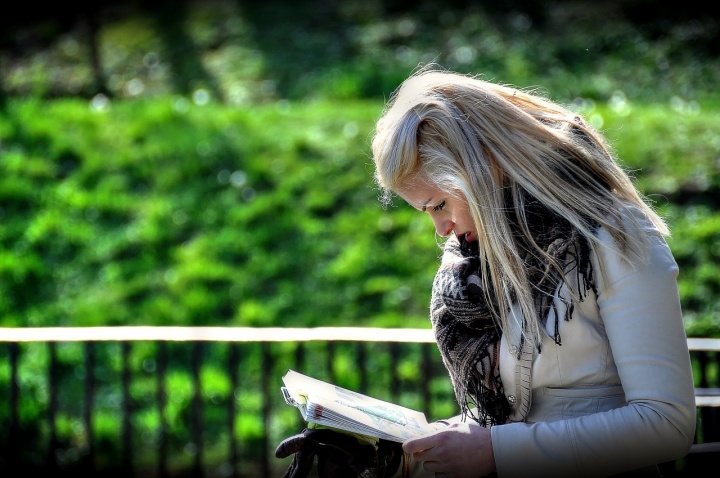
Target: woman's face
<point x="448" y="213"/>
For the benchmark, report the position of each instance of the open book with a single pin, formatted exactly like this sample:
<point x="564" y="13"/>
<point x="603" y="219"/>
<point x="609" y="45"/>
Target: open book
<point x="326" y="404"/>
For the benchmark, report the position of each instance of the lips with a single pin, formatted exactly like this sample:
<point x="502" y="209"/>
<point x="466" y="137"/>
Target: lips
<point x="468" y="237"/>
<point x="468" y="244"/>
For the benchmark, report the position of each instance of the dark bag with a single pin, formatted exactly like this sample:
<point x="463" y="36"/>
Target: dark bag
<point x="338" y="455"/>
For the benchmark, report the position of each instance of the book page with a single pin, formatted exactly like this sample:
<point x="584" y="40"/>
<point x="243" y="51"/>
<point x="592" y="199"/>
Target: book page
<point x="326" y="404"/>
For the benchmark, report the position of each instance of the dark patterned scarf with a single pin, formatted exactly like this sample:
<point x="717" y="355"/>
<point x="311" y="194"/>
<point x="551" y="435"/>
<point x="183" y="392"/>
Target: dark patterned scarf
<point x="467" y="333"/>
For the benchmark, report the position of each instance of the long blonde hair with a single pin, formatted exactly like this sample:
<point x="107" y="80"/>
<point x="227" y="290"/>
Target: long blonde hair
<point x="482" y="141"/>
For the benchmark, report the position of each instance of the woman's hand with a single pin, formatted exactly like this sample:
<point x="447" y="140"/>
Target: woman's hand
<point x="461" y="450"/>
<point x="338" y="455"/>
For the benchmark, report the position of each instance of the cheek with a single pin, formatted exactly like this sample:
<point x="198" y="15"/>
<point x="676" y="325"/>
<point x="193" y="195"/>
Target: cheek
<point x="463" y="216"/>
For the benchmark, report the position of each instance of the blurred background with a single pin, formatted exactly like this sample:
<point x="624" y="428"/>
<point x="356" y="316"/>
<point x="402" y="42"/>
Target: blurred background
<point x="207" y="162"/>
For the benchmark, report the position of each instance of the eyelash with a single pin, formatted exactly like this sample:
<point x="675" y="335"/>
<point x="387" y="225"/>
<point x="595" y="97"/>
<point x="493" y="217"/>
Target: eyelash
<point x="439" y="207"/>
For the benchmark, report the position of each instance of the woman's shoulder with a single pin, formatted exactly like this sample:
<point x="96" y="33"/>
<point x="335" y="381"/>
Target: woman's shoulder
<point x="634" y="222"/>
<point x="646" y="244"/>
<point x="636" y="219"/>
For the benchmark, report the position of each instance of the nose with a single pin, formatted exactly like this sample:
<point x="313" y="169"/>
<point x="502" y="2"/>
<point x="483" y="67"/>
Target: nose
<point x="443" y="226"/>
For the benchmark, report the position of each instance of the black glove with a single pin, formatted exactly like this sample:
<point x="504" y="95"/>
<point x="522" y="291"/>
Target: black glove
<point x="339" y="455"/>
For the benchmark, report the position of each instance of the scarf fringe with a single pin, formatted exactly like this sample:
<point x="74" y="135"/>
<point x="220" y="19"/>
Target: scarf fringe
<point x="465" y="329"/>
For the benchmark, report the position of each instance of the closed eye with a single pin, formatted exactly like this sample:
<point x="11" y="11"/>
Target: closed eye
<point x="439" y="207"/>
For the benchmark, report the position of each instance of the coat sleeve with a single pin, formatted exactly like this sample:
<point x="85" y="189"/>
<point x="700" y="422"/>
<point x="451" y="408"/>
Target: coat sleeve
<point x="641" y="313"/>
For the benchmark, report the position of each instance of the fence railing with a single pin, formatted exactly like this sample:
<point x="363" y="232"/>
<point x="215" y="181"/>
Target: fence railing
<point x="206" y="401"/>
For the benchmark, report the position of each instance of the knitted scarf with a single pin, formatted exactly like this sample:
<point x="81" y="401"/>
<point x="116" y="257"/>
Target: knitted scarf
<point x="466" y="331"/>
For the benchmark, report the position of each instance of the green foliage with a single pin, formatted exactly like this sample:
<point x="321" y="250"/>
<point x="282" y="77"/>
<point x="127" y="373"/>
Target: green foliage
<point x="203" y="215"/>
<point x="165" y="212"/>
<point x="226" y="179"/>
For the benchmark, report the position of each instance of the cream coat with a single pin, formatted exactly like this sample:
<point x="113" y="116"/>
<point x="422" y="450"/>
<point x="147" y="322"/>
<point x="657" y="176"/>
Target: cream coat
<point x="618" y="393"/>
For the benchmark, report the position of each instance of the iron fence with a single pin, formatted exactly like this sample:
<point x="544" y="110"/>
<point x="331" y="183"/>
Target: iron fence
<point x="206" y="401"/>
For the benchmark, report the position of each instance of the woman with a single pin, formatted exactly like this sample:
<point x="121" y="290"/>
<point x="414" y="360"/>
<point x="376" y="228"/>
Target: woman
<point x="555" y="306"/>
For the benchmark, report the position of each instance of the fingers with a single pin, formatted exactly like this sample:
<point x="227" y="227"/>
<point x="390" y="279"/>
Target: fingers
<point x="417" y="445"/>
<point x="431" y="466"/>
<point x="339" y="455"/>
<point x="310" y="437"/>
<point x="290" y="446"/>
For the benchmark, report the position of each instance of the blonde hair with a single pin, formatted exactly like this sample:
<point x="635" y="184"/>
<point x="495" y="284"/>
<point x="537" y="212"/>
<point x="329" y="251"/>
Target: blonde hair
<point x="488" y="142"/>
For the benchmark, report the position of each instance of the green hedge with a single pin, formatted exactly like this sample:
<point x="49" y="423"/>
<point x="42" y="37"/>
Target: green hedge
<point x="165" y="212"/>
